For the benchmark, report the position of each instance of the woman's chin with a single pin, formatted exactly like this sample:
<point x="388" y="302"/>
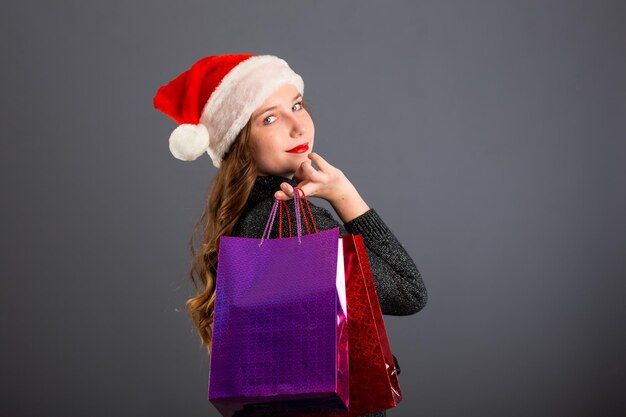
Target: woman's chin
<point x="301" y="157"/>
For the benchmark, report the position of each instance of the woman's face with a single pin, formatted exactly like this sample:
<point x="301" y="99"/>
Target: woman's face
<point x="278" y="126"/>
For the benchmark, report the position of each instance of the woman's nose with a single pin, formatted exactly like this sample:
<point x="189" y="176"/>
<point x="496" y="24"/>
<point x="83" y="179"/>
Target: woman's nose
<point x="297" y="128"/>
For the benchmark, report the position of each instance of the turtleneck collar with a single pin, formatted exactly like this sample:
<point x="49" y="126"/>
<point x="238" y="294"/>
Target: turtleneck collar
<point x="266" y="185"/>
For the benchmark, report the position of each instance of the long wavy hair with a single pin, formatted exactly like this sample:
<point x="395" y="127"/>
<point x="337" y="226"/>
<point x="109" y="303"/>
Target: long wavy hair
<point x="229" y="191"/>
<point x="225" y="202"/>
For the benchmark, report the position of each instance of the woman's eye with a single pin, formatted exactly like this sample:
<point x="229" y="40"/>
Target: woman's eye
<point x="264" y="120"/>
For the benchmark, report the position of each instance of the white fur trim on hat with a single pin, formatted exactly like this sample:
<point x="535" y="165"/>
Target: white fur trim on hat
<point x="188" y="141"/>
<point x="239" y="94"/>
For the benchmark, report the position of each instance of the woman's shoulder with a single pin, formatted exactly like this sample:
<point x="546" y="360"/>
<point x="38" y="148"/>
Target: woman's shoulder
<point x="252" y="220"/>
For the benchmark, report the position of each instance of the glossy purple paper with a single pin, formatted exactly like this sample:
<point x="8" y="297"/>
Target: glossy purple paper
<point x="279" y="335"/>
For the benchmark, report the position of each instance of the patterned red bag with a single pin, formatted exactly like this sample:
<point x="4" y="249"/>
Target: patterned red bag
<point x="373" y="377"/>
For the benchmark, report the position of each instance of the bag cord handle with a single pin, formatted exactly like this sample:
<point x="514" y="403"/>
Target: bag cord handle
<point x="298" y="204"/>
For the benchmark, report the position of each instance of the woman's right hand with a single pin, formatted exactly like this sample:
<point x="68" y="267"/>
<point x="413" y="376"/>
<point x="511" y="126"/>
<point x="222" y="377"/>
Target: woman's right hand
<point x="328" y="183"/>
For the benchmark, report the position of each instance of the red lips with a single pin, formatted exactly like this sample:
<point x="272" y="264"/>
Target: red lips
<point x="300" y="148"/>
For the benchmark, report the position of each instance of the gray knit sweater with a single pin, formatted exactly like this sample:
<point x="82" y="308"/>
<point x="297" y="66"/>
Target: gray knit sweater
<point x="398" y="282"/>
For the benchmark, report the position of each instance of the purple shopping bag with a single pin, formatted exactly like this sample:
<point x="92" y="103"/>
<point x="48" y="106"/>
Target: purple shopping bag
<point x="279" y="335"/>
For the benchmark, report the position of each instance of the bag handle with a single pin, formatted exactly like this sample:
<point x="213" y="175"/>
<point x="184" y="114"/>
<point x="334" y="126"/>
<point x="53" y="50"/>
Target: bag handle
<point x="298" y="206"/>
<point x="280" y="219"/>
<point x="300" y="190"/>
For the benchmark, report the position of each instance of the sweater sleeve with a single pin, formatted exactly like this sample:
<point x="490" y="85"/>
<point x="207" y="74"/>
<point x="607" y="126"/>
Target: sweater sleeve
<point x="398" y="281"/>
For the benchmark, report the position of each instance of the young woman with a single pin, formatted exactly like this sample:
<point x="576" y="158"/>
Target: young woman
<point x="248" y="113"/>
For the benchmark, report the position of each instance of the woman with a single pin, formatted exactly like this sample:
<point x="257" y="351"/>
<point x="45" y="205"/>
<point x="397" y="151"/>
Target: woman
<point x="247" y="112"/>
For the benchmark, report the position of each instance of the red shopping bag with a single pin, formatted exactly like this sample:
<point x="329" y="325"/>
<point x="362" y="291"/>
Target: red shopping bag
<point x="373" y="377"/>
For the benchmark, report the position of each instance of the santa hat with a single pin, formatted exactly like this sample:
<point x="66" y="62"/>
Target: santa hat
<point x="214" y="99"/>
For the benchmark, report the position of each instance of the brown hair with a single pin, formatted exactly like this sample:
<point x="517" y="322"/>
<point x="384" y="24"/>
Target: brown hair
<point x="227" y="196"/>
<point x="226" y="199"/>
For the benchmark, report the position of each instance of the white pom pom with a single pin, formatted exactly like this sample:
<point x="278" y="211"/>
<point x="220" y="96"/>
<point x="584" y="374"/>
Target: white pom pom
<point x="188" y="142"/>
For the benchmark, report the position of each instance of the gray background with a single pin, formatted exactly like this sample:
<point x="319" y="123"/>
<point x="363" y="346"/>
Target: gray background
<point x="489" y="135"/>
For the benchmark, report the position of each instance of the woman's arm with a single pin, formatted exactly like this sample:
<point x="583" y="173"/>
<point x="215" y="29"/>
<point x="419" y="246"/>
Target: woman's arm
<point x="398" y="282"/>
<point x="399" y="285"/>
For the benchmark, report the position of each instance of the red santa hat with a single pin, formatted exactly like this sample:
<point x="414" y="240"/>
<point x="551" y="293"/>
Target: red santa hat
<point x="214" y="99"/>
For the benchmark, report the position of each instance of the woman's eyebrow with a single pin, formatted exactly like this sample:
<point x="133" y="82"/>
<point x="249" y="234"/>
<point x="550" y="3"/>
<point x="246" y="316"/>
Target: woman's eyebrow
<point x="273" y="107"/>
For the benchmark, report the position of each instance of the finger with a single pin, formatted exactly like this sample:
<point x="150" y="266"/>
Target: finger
<point x="287" y="189"/>
<point x="309" y="188"/>
<point x="319" y="161"/>
<point x="311" y="172"/>
<point x="300" y="174"/>
<point x="279" y="195"/>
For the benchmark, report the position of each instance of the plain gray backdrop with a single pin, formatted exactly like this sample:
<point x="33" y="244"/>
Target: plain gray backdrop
<point x="489" y="136"/>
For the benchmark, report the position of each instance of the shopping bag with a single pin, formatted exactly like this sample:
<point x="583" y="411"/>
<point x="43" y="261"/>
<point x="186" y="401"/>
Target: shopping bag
<point x="279" y="334"/>
<point x="374" y="381"/>
<point x="373" y="376"/>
